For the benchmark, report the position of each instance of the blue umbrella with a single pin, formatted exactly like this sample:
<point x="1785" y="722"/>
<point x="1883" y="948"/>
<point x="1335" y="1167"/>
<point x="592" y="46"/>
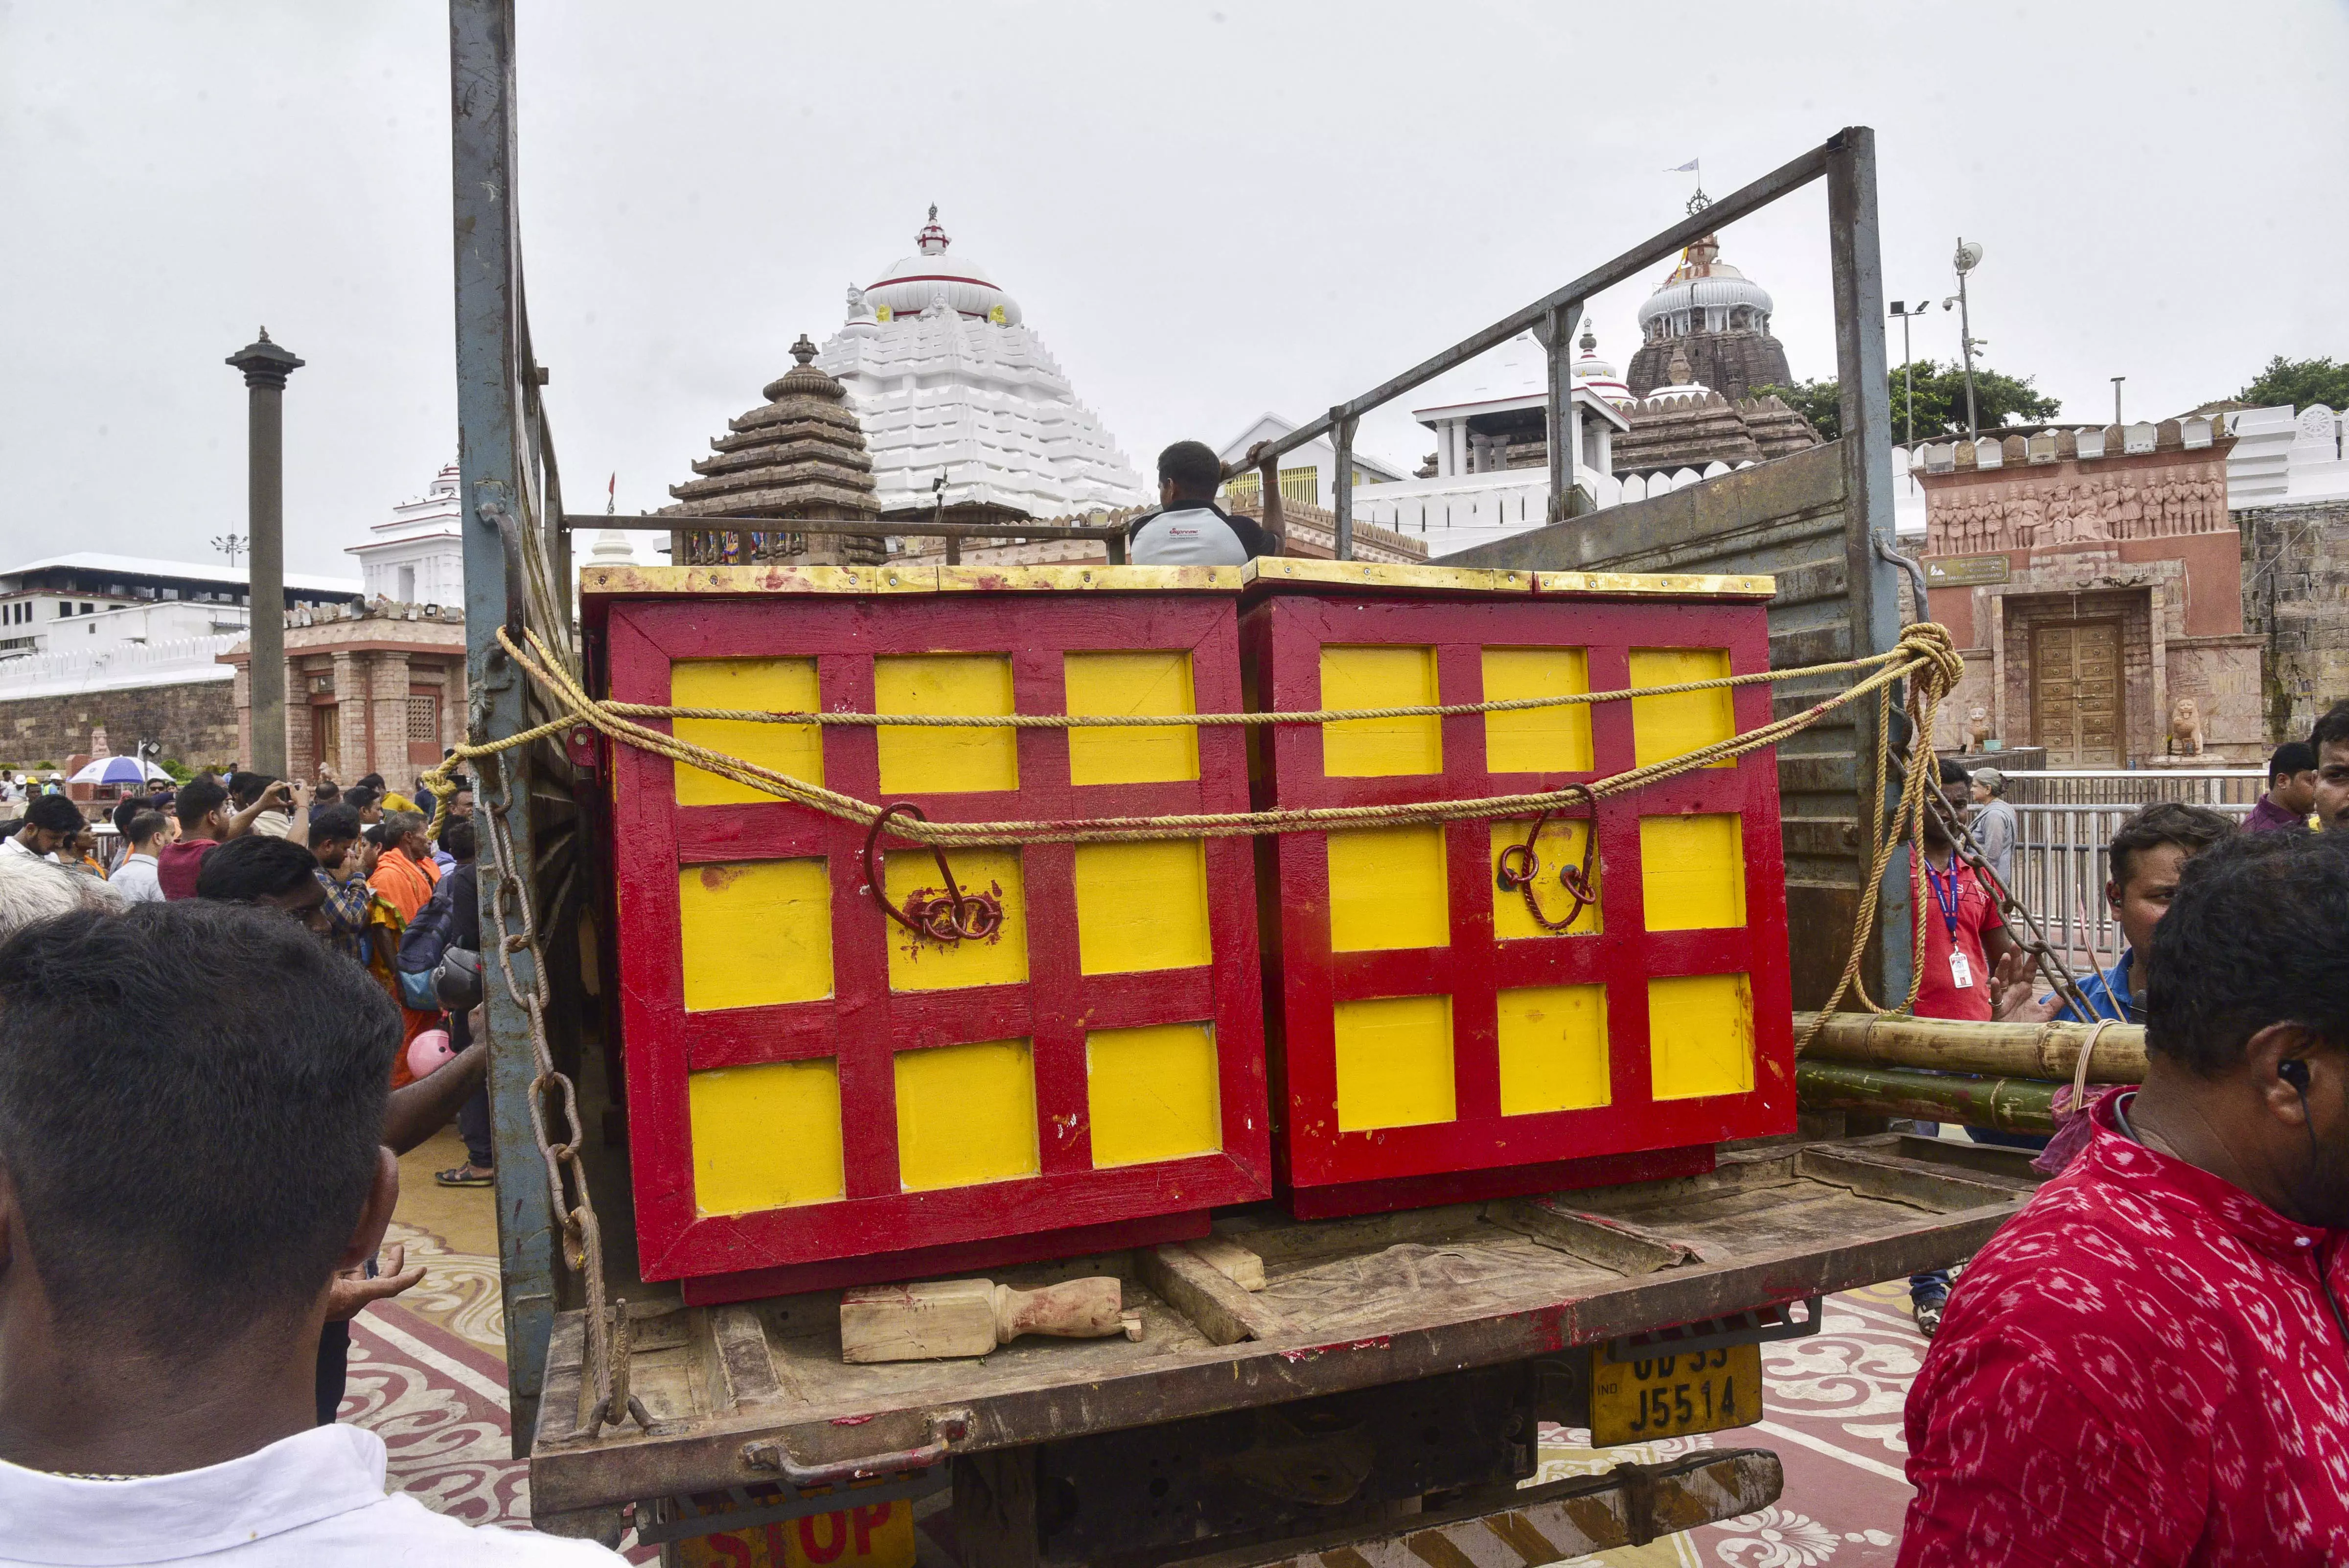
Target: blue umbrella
<point x="116" y="770"/>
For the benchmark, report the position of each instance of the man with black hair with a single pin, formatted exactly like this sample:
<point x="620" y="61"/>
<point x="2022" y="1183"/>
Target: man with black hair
<point x="206" y="818"/>
<point x="366" y="801"/>
<point x="2330" y="741"/>
<point x="51" y="823"/>
<point x="345" y="860"/>
<point x="135" y="878"/>
<point x="2147" y="854"/>
<point x="2291" y="792"/>
<point x="255" y="869"/>
<point x="185" y="1170"/>
<point x="2150" y="1363"/>
<point x="1189" y="529"/>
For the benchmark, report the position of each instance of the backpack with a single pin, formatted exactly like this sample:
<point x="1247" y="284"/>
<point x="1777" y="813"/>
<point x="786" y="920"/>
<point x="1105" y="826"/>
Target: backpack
<point x="421" y="946"/>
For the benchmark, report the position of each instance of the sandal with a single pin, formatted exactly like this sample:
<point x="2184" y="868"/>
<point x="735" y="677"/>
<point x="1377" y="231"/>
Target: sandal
<point x="465" y="1174"/>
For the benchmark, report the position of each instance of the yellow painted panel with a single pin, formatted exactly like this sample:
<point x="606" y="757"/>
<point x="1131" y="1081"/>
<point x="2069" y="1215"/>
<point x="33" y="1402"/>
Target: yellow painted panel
<point x="766" y="1137"/>
<point x="918" y="963"/>
<point x="1142" y="905"/>
<point x="775" y="685"/>
<point x="1380" y="678"/>
<point x="1666" y="727"/>
<point x="965" y="1113"/>
<point x="1394" y="1062"/>
<point x="1560" y="846"/>
<point x="754" y="933"/>
<point x="1700" y="1036"/>
<point x="1693" y="872"/>
<point x="1388" y="890"/>
<point x="945" y="761"/>
<point x="1553" y="1048"/>
<point x="1158" y="681"/>
<point x="1537" y="740"/>
<point x="1154" y="1093"/>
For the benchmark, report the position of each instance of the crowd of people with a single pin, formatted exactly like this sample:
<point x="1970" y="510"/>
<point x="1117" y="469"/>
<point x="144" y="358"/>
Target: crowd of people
<point x="206" y="1080"/>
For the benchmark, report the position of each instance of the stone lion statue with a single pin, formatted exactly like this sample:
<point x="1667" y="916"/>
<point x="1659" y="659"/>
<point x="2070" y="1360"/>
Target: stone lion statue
<point x="1977" y="727"/>
<point x="2186" y="728"/>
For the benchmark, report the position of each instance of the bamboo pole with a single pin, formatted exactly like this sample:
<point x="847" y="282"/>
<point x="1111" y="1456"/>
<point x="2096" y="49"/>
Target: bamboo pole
<point x="2047" y="1051"/>
<point x="2010" y="1104"/>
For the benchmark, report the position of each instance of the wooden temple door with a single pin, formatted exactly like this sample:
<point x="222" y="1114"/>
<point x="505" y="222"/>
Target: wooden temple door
<point x="2076" y="692"/>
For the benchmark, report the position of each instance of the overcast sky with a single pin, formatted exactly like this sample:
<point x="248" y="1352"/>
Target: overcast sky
<point x="1205" y="211"/>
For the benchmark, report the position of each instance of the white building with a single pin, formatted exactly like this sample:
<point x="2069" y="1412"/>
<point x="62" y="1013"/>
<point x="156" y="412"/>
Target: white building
<point x="419" y="556"/>
<point x="1307" y="474"/>
<point x="950" y="382"/>
<point x="1491" y="469"/>
<point x="84" y="603"/>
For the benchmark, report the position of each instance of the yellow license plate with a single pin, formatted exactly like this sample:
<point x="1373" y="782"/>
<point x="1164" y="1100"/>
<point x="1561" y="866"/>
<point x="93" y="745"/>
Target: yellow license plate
<point x="1669" y="1396"/>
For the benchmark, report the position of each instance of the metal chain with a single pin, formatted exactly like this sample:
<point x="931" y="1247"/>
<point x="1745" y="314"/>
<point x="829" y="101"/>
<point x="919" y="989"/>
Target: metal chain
<point x="606" y="1365"/>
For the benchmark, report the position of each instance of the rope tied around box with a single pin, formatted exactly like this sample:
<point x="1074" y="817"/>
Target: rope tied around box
<point x="1926" y="652"/>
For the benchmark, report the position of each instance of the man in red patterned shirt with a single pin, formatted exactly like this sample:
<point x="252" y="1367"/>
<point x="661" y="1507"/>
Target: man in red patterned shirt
<point x="2150" y="1363"/>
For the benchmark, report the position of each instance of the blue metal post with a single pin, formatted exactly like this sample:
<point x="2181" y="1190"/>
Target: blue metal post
<point x="489" y="458"/>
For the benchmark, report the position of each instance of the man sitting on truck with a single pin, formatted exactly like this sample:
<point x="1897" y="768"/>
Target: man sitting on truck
<point x="1189" y="529"/>
<point x="193" y="1097"/>
<point x="2147" y="1364"/>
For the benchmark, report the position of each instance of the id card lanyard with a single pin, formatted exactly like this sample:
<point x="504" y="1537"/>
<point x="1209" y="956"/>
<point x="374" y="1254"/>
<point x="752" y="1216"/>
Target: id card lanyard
<point x="1949" y="896"/>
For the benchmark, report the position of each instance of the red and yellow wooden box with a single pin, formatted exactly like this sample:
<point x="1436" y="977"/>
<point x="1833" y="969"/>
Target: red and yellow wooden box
<point x="815" y="1096"/>
<point x="1431" y="1041"/>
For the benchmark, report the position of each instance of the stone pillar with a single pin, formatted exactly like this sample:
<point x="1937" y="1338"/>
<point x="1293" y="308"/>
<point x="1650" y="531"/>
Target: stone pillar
<point x="350" y="700"/>
<point x="265" y="368"/>
<point x="387" y="685"/>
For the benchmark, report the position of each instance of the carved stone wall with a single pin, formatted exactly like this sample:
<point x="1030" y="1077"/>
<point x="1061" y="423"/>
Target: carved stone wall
<point x="2164" y="496"/>
<point x="2295" y="566"/>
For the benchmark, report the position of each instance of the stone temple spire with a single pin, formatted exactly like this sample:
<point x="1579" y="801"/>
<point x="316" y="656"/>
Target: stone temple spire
<point x="799" y="457"/>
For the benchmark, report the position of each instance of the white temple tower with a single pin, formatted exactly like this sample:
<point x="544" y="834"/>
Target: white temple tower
<point x="419" y="556"/>
<point x="949" y="381"/>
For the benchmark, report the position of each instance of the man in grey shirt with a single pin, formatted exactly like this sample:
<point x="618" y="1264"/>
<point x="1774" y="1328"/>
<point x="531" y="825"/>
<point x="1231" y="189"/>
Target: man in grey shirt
<point x="1992" y="824"/>
<point x="1189" y="529"/>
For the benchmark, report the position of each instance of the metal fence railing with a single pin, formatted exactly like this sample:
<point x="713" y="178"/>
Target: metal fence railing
<point x="2133" y="787"/>
<point x="2061" y="861"/>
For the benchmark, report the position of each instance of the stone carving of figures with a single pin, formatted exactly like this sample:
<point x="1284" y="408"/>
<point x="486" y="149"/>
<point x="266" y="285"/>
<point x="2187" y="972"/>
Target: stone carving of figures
<point x="2023" y="520"/>
<point x="2059" y="515"/>
<point x="2129" y="515"/>
<point x="2087" y="517"/>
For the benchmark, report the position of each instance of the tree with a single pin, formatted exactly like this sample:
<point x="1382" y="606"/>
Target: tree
<point x="2299" y="382"/>
<point x="1941" y="401"/>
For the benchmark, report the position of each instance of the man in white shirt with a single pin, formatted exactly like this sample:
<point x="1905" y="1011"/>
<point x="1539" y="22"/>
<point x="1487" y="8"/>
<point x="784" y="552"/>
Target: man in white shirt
<point x="191" y="1098"/>
<point x="51" y="821"/>
<point x="1189" y="529"/>
<point x="135" y="878"/>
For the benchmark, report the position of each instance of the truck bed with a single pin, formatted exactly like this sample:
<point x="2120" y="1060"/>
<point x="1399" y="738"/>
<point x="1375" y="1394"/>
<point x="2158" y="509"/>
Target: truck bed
<point x="740" y="1393"/>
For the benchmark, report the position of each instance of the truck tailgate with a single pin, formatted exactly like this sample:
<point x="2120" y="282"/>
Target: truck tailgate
<point x="737" y="1392"/>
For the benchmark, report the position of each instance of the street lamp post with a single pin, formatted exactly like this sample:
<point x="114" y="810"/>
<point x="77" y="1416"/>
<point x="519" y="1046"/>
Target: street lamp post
<point x="1969" y="257"/>
<point x="265" y="368"/>
<point x="1907" y="371"/>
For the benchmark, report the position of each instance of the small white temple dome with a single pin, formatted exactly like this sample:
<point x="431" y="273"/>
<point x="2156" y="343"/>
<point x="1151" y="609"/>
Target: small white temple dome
<point x="1705" y="294"/>
<point x="1599" y="375"/>
<point x="914" y="283"/>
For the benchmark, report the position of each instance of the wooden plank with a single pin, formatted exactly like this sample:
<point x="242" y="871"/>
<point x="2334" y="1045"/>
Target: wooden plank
<point x="1616" y="1244"/>
<point x="1221" y="1309"/>
<point x="1230" y="1259"/>
<point x="1901" y="1180"/>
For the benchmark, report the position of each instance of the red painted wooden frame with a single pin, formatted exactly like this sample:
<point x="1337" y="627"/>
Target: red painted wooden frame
<point x="864" y="1022"/>
<point x="1331" y="1171"/>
